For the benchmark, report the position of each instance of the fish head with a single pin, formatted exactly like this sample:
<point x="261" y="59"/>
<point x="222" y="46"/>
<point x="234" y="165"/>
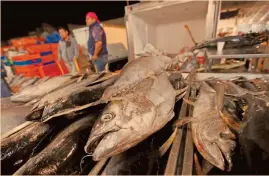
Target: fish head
<point x="122" y="125"/>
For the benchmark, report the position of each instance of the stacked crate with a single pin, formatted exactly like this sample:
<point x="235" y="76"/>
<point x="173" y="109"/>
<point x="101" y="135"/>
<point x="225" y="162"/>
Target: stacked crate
<point x="41" y="60"/>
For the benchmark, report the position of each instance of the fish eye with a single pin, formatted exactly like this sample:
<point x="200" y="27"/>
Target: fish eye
<point x="107" y="117"/>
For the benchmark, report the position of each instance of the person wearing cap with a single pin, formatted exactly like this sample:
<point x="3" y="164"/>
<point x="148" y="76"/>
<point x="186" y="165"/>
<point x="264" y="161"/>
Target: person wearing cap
<point x="97" y="47"/>
<point x="68" y="50"/>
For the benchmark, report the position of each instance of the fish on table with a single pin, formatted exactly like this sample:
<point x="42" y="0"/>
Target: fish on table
<point x="40" y="89"/>
<point x="63" y="154"/>
<point x="133" y="117"/>
<point x="137" y="70"/>
<point x="18" y="148"/>
<point x="254" y="135"/>
<point x="211" y="135"/>
<point x="59" y="102"/>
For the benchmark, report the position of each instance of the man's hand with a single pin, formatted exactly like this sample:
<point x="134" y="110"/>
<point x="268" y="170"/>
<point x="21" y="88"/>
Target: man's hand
<point x="94" y="57"/>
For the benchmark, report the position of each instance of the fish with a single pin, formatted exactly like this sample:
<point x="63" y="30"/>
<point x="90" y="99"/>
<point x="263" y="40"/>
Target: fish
<point x="42" y="80"/>
<point x="137" y="70"/>
<point x="28" y="83"/>
<point x="212" y="137"/>
<point x="15" y="80"/>
<point x="39" y="90"/>
<point x="254" y="135"/>
<point x="135" y="116"/>
<point x="63" y="154"/>
<point x="261" y="84"/>
<point x="18" y="148"/>
<point x="60" y="102"/>
<point x="143" y="159"/>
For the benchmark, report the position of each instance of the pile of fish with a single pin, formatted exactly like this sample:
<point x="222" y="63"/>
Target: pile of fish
<point x="229" y="111"/>
<point x="110" y="115"/>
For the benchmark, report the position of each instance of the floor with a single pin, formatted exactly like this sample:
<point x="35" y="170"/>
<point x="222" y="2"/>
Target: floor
<point x="12" y="115"/>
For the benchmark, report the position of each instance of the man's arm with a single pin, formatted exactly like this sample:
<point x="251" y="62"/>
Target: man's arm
<point x="76" y="49"/>
<point x="98" y="47"/>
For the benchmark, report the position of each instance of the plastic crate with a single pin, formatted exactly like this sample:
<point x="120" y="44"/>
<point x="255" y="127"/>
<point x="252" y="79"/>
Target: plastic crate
<point x="26" y="57"/>
<point x="53" y="69"/>
<point x="38" y="48"/>
<point x="48" y="58"/>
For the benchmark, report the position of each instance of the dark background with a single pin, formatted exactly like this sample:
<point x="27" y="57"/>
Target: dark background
<point x="18" y="17"/>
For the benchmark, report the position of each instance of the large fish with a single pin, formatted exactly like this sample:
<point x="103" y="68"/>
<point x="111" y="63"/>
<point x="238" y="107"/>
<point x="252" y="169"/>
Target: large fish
<point x="137" y="70"/>
<point x="254" y="135"/>
<point x="143" y="159"/>
<point x="132" y="118"/>
<point x="41" y="89"/>
<point x="15" y="80"/>
<point x="61" y="101"/>
<point x="17" y="148"/>
<point x="63" y="153"/>
<point x="28" y="83"/>
<point x="212" y="137"/>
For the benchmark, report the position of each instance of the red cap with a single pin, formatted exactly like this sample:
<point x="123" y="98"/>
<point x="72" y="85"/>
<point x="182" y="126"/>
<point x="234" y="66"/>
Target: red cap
<point x="92" y="15"/>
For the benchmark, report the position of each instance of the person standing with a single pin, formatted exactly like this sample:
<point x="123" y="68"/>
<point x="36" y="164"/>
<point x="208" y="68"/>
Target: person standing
<point x="97" y="46"/>
<point x="68" y="50"/>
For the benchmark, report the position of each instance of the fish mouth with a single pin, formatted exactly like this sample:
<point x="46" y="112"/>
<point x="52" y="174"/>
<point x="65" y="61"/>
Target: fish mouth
<point x="93" y="142"/>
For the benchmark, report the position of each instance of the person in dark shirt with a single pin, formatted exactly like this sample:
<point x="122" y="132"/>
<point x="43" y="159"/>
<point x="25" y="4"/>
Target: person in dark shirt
<point x="97" y="46"/>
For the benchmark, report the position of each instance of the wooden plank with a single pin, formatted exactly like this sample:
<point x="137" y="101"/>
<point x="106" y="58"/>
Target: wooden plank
<point x="171" y="165"/>
<point x="188" y="152"/>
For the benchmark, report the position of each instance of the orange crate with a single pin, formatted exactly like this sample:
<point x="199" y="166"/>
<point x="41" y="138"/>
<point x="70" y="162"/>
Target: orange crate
<point x="47" y="58"/>
<point x="26" y="57"/>
<point x="38" y="48"/>
<point x="54" y="46"/>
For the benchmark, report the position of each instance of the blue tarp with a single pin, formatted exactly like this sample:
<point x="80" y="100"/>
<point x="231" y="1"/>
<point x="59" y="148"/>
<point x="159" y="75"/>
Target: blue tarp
<point x="53" y="38"/>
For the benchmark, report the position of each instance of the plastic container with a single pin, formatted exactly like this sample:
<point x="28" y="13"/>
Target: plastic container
<point x="25" y="57"/>
<point x="33" y="49"/>
<point x="53" y="69"/>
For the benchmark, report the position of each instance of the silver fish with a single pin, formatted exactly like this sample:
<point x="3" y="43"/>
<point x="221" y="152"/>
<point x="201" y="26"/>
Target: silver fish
<point x="41" y="89"/>
<point x="132" y="118"/>
<point x="137" y="70"/>
<point x="212" y="137"/>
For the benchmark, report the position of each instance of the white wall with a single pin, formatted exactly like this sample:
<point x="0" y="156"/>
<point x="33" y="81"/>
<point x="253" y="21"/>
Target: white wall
<point x="174" y="36"/>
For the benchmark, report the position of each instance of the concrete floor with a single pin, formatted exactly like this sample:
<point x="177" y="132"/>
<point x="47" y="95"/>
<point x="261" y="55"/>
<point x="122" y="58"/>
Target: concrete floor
<point x="12" y="115"/>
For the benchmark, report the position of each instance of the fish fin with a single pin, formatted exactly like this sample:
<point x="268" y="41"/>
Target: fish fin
<point x="183" y="121"/>
<point x="198" y="167"/>
<point x="230" y="121"/>
<point x="163" y="149"/>
<point x="180" y="91"/>
<point x="179" y="97"/>
<point x="98" y="167"/>
<point x="81" y="77"/>
<point x="190" y="102"/>
<point x="72" y="110"/>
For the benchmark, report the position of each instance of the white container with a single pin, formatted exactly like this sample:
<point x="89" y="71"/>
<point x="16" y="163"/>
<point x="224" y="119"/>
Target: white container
<point x="220" y="46"/>
<point x="258" y="27"/>
<point x="161" y="23"/>
<point x="267" y="25"/>
<point x="243" y="27"/>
